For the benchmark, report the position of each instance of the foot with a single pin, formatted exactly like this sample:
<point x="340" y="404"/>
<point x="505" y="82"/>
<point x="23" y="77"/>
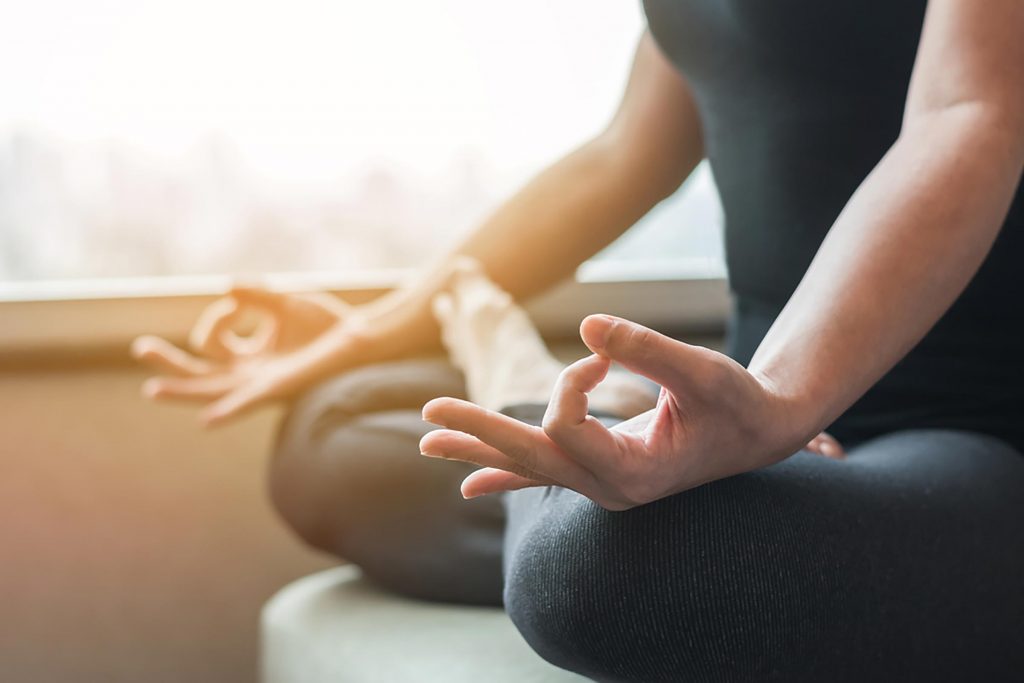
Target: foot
<point x="502" y="355"/>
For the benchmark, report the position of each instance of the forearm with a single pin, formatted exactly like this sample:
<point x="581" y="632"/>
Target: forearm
<point x="573" y="209"/>
<point x="904" y="248"/>
<point x="537" y="238"/>
<point x="562" y="217"/>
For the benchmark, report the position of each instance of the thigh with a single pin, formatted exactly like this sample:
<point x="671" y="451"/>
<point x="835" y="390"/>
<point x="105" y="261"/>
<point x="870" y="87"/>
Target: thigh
<point x="905" y="561"/>
<point x="349" y="478"/>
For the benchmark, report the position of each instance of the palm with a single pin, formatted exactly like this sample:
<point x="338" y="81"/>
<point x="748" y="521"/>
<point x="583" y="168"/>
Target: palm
<point x="710" y="412"/>
<point x="232" y="370"/>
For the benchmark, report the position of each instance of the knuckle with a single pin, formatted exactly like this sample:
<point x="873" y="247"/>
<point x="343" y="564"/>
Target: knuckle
<point x="645" y="347"/>
<point x="568" y="373"/>
<point x="712" y="373"/>
<point x="571" y="380"/>
<point x="554" y="425"/>
<point x="522" y="451"/>
<point x="550" y="423"/>
<point x="638" y="337"/>
<point x="563" y="432"/>
<point x="197" y="337"/>
<point x="524" y="456"/>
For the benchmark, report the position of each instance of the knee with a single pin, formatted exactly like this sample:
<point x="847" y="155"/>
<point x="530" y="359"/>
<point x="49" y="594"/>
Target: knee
<point x="290" y="477"/>
<point x="691" y="587"/>
<point x="311" y="464"/>
<point x="346" y="448"/>
<point x="346" y="473"/>
<point x="564" y="591"/>
<point x="348" y="478"/>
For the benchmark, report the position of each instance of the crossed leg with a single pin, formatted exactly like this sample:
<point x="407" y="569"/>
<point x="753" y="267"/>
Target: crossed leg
<point x="347" y="475"/>
<point x="903" y="562"/>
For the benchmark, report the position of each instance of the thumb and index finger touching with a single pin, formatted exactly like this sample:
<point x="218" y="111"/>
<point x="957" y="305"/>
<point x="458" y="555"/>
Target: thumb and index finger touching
<point x="207" y="336"/>
<point x="666" y="361"/>
<point x="637" y="348"/>
<point x="213" y="333"/>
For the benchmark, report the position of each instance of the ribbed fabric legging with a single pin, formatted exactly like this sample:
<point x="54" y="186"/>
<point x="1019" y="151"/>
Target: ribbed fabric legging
<point x="903" y="563"/>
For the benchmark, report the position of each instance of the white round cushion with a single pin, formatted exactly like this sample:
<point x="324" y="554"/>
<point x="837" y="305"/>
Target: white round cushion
<point x="334" y="626"/>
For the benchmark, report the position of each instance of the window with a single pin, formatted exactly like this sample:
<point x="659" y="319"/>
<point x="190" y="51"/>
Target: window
<point x="143" y="138"/>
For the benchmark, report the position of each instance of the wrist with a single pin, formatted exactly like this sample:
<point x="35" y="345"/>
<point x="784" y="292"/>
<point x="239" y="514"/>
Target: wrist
<point x="794" y="417"/>
<point x="397" y="324"/>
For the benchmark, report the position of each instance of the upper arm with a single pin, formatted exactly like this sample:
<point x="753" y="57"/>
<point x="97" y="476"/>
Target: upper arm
<point x="656" y="131"/>
<point x="971" y="57"/>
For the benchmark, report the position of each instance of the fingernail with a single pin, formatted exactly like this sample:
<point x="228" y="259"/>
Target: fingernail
<point x="151" y="388"/>
<point x="430" y="418"/>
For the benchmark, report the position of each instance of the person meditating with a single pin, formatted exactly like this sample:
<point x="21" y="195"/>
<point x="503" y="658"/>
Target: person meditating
<point x="676" y="528"/>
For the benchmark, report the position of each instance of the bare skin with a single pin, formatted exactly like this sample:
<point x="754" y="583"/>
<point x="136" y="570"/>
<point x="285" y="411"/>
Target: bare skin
<point x="903" y="249"/>
<point x="492" y="340"/>
<point x="506" y="362"/>
<point x="538" y="237"/>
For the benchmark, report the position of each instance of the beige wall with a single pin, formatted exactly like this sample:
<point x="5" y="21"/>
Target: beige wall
<point x="133" y="546"/>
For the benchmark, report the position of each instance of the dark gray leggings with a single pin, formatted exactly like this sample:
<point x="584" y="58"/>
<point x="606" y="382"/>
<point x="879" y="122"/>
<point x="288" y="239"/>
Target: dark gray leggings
<point x="903" y="563"/>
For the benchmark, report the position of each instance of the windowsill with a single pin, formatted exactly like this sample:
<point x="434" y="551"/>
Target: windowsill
<point x="88" y="320"/>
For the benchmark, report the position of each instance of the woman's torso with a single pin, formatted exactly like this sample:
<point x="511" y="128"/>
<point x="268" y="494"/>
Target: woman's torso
<point x="799" y="100"/>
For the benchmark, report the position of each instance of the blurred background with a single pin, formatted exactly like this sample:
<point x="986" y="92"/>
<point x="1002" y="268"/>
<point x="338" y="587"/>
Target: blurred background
<point x="151" y="150"/>
<point x="142" y="138"/>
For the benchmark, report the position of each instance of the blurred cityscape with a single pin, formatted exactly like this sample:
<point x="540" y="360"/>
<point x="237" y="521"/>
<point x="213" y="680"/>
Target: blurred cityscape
<point x="76" y="210"/>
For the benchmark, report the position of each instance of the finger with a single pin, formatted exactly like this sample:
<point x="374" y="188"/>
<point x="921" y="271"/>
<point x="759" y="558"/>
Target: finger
<point x="262" y="338"/>
<point x="569" y="401"/>
<point x="166" y="358"/>
<point x="488" y="480"/>
<point x="526" y="445"/>
<point x="315" y="309"/>
<point x="187" y="388"/>
<point x="452" y="445"/>
<point x="641" y="350"/>
<point x="827" y="445"/>
<point x="831" y="446"/>
<point x="566" y="420"/>
<point x="500" y="431"/>
<point x="268" y="329"/>
<point x="232" y="405"/>
<point x="207" y="336"/>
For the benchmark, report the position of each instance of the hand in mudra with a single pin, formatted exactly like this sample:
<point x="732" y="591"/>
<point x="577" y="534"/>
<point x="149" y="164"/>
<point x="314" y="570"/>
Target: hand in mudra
<point x="231" y="373"/>
<point x="713" y="419"/>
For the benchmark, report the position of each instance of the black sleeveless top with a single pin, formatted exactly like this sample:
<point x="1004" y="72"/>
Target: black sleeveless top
<point x="799" y="100"/>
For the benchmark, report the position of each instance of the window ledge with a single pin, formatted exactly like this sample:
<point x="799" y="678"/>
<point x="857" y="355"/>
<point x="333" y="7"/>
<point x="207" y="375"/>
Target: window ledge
<point x="45" y="322"/>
